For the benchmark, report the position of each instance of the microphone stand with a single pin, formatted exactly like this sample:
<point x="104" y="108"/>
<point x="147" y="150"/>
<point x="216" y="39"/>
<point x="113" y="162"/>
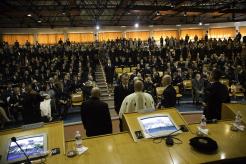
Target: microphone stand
<point x="28" y="161"/>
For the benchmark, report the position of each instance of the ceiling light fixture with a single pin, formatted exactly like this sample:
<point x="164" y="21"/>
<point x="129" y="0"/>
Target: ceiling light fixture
<point x="200" y="23"/>
<point x="29" y="15"/>
<point x="39" y="21"/>
<point x="97" y="27"/>
<point x="136" y="25"/>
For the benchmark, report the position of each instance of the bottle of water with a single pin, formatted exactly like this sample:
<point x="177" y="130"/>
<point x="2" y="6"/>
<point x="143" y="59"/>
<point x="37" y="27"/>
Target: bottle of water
<point x="203" y="122"/>
<point x="238" y="119"/>
<point x="78" y="140"/>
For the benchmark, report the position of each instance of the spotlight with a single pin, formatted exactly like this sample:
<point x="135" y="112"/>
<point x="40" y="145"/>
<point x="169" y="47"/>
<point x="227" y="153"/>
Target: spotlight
<point x="29" y="15"/>
<point x="136" y="25"/>
<point x="200" y="23"/>
<point x="97" y="27"/>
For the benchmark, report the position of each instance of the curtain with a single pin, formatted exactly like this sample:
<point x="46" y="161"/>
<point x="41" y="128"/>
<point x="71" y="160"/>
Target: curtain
<point x="50" y="38"/>
<point x="192" y="32"/>
<point x="222" y="32"/>
<point x="104" y="36"/>
<point x="242" y="30"/>
<point x="21" y="38"/>
<point x="143" y="35"/>
<point x="164" y="33"/>
<point x="81" y="37"/>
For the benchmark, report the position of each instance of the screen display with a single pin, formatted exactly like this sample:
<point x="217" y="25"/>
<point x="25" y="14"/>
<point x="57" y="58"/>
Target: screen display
<point x="33" y="146"/>
<point x="157" y="124"/>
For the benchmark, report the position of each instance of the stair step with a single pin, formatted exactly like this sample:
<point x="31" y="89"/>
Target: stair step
<point x="107" y="98"/>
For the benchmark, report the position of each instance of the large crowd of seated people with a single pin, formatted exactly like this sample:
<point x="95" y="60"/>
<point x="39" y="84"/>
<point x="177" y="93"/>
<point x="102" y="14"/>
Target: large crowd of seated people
<point x="56" y="71"/>
<point x="182" y="59"/>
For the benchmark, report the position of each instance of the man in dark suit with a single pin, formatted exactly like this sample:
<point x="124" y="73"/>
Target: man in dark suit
<point x="31" y="106"/>
<point x="120" y="92"/>
<point x="95" y="115"/>
<point x="169" y="93"/>
<point x="216" y="94"/>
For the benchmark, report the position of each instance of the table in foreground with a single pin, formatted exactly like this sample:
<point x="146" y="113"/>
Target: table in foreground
<point x="121" y="148"/>
<point x="55" y="139"/>
<point x="229" y="111"/>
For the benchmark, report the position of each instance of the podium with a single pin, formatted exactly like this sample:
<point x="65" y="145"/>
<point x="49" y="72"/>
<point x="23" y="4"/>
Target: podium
<point x="131" y="124"/>
<point x="55" y="139"/>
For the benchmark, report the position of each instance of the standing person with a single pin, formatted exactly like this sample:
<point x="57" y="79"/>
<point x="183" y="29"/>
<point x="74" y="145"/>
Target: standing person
<point x="109" y="71"/>
<point x="62" y="100"/>
<point x="31" y="103"/>
<point x="120" y="92"/>
<point x="217" y="94"/>
<point x="95" y="115"/>
<point x="169" y="93"/>
<point x="197" y="88"/>
<point x="137" y="101"/>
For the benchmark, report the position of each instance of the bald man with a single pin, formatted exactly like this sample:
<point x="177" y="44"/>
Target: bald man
<point x="137" y="101"/>
<point x="169" y="93"/>
<point x="95" y="115"/>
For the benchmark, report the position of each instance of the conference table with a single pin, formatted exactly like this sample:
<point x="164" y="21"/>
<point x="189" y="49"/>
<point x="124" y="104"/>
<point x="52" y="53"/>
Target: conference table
<point x="229" y="111"/>
<point x="55" y="139"/>
<point x="123" y="148"/>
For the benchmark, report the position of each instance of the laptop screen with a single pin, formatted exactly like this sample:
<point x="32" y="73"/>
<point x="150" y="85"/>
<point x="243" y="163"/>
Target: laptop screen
<point x="33" y="146"/>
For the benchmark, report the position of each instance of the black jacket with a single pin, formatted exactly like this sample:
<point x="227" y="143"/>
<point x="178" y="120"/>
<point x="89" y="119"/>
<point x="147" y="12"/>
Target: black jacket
<point x="96" y="117"/>
<point x="169" y="97"/>
<point x="119" y="94"/>
<point x="216" y="94"/>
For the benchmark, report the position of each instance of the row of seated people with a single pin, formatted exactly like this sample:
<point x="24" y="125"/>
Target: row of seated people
<point x="197" y="83"/>
<point x="204" y="50"/>
<point x="52" y="102"/>
<point x="46" y="72"/>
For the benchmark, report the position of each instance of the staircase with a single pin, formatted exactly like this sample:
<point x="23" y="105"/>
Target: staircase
<point x="106" y="96"/>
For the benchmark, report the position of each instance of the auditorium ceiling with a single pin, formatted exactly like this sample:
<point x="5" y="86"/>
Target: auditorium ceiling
<point x="81" y="13"/>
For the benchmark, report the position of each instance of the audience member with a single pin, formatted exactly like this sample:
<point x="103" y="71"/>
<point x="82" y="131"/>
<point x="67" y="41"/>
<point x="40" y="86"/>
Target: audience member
<point x="95" y="115"/>
<point x="137" y="101"/>
<point x="169" y="93"/>
<point x="216" y="95"/>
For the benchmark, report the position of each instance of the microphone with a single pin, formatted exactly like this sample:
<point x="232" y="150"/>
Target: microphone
<point x="28" y="161"/>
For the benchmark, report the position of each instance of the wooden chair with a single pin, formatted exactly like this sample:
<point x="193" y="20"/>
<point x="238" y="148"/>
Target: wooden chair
<point x="237" y="90"/>
<point x="178" y="95"/>
<point x="133" y="68"/>
<point x="77" y="99"/>
<point x="118" y="70"/>
<point x="187" y="84"/>
<point x="126" y="70"/>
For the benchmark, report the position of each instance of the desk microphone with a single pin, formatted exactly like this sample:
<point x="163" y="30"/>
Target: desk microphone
<point x="13" y="139"/>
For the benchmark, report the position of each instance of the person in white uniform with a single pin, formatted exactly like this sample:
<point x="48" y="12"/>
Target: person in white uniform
<point x="138" y="101"/>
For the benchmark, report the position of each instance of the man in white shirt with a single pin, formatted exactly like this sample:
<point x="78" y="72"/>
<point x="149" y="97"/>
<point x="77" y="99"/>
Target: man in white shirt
<point x="137" y="101"/>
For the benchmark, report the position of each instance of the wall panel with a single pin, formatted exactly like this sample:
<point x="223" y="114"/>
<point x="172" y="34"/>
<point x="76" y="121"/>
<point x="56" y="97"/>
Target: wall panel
<point x="143" y="35"/>
<point x="21" y="38"/>
<point x="164" y="33"/>
<point x="192" y="32"/>
<point x="105" y="36"/>
<point x="222" y="32"/>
